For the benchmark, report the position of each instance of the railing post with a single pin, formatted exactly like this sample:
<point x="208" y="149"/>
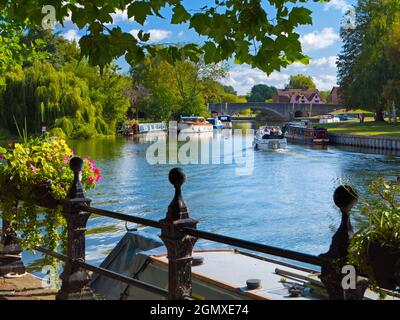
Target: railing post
<point x="75" y="280"/>
<point x="345" y="197"/>
<point x="10" y="252"/>
<point x="179" y="245"/>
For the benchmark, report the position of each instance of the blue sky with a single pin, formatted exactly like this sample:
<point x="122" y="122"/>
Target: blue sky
<point x="321" y="41"/>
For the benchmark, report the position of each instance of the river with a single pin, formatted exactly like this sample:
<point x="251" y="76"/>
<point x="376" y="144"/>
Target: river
<point x="284" y="199"/>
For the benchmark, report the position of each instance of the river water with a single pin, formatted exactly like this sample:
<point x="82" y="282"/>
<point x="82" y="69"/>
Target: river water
<point x="279" y="198"/>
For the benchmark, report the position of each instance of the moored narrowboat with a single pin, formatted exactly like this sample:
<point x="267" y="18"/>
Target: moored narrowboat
<point x="305" y="132"/>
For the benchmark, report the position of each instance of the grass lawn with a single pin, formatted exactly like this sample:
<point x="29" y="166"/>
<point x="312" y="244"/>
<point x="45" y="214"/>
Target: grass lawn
<point x="368" y="128"/>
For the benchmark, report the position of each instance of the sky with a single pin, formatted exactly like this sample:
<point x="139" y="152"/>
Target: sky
<point x="320" y="41"/>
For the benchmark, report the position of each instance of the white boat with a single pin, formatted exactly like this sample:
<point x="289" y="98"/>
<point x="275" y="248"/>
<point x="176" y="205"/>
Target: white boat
<point x="269" y="138"/>
<point x="226" y="121"/>
<point x="216" y="123"/>
<point x="329" y="118"/>
<point x="194" y="124"/>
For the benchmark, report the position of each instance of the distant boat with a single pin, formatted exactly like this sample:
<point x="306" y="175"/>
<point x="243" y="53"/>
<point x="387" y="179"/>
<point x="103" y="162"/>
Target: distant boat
<point x="329" y="118"/>
<point x="270" y="138"/>
<point x="217" y="124"/>
<point x="143" y="128"/>
<point x="305" y="132"/>
<point x="194" y="124"/>
<point x="226" y="121"/>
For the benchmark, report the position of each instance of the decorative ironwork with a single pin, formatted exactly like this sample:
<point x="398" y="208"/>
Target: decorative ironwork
<point x="10" y="252"/>
<point x="345" y="197"/>
<point x="179" y="245"/>
<point x="75" y="279"/>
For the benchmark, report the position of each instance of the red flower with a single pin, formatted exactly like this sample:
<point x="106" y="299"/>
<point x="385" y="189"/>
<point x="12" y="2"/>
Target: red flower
<point x="90" y="180"/>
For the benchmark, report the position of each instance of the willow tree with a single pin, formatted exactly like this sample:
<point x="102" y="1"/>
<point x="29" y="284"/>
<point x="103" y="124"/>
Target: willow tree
<point x="259" y="33"/>
<point x="47" y="97"/>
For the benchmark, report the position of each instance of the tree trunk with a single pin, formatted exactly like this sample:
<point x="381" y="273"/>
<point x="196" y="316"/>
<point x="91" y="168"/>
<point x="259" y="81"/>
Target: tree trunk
<point x="380" y="115"/>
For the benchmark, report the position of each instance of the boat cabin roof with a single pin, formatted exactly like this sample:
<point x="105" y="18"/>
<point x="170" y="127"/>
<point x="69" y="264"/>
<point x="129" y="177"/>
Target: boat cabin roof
<point x="192" y="118"/>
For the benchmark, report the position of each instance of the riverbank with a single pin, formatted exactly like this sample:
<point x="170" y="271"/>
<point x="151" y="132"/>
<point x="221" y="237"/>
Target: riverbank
<point x="369" y="128"/>
<point x="370" y="134"/>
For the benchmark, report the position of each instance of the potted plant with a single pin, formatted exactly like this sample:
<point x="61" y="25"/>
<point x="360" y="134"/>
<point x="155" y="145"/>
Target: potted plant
<point x="375" y="248"/>
<point x="34" y="177"/>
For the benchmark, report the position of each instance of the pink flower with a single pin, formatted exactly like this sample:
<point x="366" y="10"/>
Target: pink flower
<point x="66" y="159"/>
<point x="91" y="164"/>
<point x="2" y="157"/>
<point x="33" y="168"/>
<point x="99" y="177"/>
<point x="90" y="180"/>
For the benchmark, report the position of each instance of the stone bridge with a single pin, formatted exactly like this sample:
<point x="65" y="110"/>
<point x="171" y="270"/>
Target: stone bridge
<point x="279" y="111"/>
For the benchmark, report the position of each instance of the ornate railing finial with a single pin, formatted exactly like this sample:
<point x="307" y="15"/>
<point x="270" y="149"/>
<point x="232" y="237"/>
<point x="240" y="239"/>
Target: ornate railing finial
<point x="179" y="245"/>
<point x="345" y="197"/>
<point x="177" y="208"/>
<point x="77" y="191"/>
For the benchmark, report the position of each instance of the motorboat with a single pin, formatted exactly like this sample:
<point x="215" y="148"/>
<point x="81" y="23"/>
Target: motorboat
<point x="226" y="121"/>
<point x="269" y="138"/>
<point x="217" y="124"/>
<point x="194" y="124"/>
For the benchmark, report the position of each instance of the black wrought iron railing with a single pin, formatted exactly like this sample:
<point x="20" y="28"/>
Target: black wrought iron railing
<point x="179" y="233"/>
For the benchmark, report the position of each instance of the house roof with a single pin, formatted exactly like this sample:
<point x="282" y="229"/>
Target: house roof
<point x="288" y="93"/>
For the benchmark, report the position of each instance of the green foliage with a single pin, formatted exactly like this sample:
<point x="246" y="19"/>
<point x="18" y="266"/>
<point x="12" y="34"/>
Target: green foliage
<point x="379" y="221"/>
<point x="174" y="89"/>
<point x="232" y="28"/>
<point x="77" y="99"/>
<point x="368" y="64"/>
<point x="23" y="170"/>
<point x="260" y="93"/>
<point x="301" y="81"/>
<point x="246" y="112"/>
<point x="12" y="50"/>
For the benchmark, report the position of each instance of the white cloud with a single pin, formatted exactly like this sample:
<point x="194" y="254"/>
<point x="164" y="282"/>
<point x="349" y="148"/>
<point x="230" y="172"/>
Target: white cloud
<point x="319" y="39"/>
<point x="156" y="35"/>
<point x="325" y="62"/>
<point x="71" y="35"/>
<point x="341" y="5"/>
<point x="242" y="78"/>
<point x="181" y="34"/>
<point x="325" y="82"/>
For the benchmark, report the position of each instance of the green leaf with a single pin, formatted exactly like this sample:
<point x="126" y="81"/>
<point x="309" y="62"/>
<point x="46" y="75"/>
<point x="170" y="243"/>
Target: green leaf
<point x="300" y="16"/>
<point x="180" y="15"/>
<point x="139" y="10"/>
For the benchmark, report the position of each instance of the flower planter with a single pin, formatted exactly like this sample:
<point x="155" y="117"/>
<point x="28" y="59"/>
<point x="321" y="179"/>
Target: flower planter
<point x="44" y="197"/>
<point x="385" y="263"/>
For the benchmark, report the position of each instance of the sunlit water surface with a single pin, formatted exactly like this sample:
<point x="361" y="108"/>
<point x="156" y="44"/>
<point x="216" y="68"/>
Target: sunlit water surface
<point x="286" y="200"/>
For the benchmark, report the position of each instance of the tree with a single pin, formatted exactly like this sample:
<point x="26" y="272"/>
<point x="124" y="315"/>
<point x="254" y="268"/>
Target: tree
<point x="179" y="88"/>
<point x="13" y="51"/>
<point x="229" y="89"/>
<point x="366" y="70"/>
<point x="260" y="93"/>
<point x="301" y="81"/>
<point x="58" y="50"/>
<point x="260" y="35"/>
